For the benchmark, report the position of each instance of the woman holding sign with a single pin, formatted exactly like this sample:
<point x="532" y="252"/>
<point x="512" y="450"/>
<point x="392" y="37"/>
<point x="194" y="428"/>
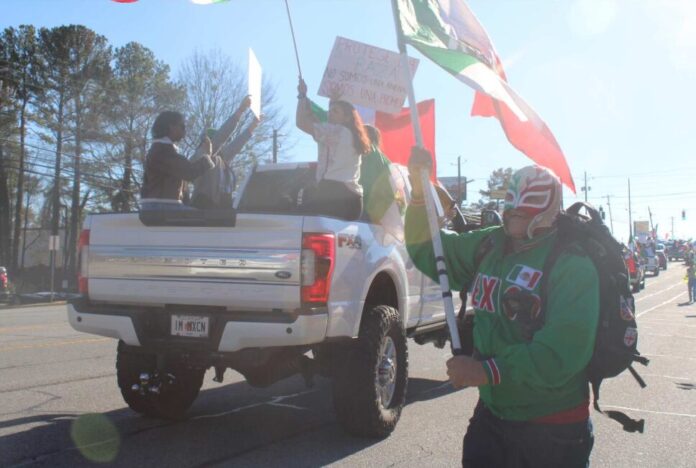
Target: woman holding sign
<point x="342" y="142"/>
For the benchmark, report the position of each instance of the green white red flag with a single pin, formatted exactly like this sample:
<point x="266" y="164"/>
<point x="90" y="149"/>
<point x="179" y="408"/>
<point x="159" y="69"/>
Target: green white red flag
<point x="448" y="33"/>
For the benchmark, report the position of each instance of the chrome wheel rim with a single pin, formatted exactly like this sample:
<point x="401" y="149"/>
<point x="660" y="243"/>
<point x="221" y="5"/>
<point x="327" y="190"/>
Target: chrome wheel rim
<point x="385" y="380"/>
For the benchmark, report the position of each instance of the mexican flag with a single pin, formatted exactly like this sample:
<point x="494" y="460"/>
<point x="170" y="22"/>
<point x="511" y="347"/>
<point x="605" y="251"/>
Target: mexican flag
<point x="448" y="33"/>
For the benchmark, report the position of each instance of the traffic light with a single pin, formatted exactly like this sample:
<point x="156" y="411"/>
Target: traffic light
<point x="602" y="214"/>
<point x="683" y="215"/>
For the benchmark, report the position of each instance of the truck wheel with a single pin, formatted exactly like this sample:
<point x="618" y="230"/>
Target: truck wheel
<point x="175" y="397"/>
<point x="369" y="388"/>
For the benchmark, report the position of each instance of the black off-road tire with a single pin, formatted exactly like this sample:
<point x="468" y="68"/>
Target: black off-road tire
<point x="175" y="398"/>
<point x="357" y="403"/>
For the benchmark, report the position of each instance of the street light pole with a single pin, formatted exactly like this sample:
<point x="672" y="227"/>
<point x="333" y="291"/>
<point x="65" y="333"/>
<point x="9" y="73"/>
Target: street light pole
<point x="630" y="219"/>
<point x="459" y="181"/>
<point x="611" y="220"/>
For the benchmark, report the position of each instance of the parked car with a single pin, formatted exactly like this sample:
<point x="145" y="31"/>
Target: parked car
<point x="661" y="256"/>
<point x="4" y="284"/>
<point x="636" y="270"/>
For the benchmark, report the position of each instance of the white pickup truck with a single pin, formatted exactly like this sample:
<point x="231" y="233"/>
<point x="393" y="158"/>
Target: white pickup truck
<point x="255" y="289"/>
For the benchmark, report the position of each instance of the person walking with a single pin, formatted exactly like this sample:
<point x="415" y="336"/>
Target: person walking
<point x="533" y="407"/>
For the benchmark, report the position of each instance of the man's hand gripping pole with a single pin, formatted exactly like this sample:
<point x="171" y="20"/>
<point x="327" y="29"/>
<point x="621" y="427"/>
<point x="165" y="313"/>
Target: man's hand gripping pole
<point x="420" y="166"/>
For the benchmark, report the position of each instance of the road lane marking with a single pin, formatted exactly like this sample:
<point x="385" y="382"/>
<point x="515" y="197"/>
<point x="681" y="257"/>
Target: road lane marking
<point x="661" y="304"/>
<point x="666" y="413"/>
<point x="642" y="374"/>
<point x="30" y="327"/>
<point x="51" y="345"/>
<point x="687" y="358"/>
<point x="656" y="293"/>
<point x="669" y="336"/>
<point x="274" y="401"/>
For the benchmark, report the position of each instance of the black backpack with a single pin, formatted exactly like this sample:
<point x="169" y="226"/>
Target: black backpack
<point x="617" y="332"/>
<point x="616" y="341"/>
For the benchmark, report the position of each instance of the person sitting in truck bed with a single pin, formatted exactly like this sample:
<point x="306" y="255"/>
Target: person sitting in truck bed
<point x="167" y="171"/>
<point x="342" y="142"/>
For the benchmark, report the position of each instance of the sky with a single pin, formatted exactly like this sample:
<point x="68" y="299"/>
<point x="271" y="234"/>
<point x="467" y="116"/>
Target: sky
<point x="613" y="79"/>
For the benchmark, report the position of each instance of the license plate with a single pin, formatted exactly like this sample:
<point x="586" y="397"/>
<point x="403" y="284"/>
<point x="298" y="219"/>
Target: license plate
<point x="190" y="325"/>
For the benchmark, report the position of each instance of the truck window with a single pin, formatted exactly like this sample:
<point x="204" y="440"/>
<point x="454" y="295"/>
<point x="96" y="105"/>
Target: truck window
<point x="270" y="191"/>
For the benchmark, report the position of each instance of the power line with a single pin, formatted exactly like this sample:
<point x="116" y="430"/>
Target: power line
<point x="68" y="179"/>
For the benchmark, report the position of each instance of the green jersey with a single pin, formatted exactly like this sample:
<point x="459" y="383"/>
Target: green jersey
<point x="533" y="378"/>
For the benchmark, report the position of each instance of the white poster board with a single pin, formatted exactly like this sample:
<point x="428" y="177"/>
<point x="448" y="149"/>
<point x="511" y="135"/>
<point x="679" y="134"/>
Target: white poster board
<point x="641" y="227"/>
<point x="255" y="84"/>
<point x="53" y="243"/>
<point x="367" y="76"/>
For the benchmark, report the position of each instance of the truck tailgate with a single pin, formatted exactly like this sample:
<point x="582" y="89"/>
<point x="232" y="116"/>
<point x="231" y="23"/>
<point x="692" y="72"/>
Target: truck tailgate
<point x="254" y="265"/>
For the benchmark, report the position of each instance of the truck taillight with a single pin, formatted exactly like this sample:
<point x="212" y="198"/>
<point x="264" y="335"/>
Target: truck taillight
<point x="318" y="258"/>
<point x="82" y="271"/>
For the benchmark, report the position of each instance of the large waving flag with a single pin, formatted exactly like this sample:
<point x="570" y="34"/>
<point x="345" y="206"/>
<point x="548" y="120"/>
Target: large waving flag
<point x="448" y="33"/>
<point x="398" y="136"/>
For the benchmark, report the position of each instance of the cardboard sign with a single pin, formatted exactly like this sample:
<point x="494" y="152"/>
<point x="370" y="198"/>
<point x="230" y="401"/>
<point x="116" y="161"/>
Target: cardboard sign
<point x="641" y="227"/>
<point x="254" y="82"/>
<point x="367" y="76"/>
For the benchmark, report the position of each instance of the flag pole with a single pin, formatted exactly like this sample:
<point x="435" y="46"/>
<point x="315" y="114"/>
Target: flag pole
<point x="429" y="196"/>
<point x="294" y="42"/>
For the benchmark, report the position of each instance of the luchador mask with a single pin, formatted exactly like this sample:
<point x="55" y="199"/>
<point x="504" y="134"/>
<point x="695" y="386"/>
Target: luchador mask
<point x="537" y="192"/>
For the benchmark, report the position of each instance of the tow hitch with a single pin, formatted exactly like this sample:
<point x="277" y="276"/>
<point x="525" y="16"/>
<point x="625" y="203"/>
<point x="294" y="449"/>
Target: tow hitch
<point x="152" y="383"/>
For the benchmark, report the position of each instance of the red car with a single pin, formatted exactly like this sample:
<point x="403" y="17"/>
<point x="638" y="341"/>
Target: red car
<point x="636" y="270"/>
<point x="4" y="284"/>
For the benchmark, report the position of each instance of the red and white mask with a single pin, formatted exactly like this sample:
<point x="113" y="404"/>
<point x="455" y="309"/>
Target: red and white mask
<point x="535" y="191"/>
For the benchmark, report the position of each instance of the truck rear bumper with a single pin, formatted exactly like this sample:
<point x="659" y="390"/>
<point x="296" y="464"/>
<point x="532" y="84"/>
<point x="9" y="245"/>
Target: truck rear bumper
<point x="113" y="326"/>
<point x="306" y="329"/>
<point x="229" y="332"/>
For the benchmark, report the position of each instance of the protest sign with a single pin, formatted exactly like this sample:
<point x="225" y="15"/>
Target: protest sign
<point x="365" y="75"/>
<point x="254" y="83"/>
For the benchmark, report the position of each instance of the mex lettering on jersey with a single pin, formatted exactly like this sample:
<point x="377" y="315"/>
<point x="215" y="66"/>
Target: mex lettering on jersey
<point x="482" y="292"/>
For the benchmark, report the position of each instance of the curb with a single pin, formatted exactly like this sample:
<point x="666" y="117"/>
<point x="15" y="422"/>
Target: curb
<point x="36" y="304"/>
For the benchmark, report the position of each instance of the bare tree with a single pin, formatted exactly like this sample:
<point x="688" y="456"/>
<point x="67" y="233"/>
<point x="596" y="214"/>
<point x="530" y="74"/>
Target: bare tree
<point x="215" y="86"/>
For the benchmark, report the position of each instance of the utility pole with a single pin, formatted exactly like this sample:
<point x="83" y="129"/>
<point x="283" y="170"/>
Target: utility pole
<point x="275" y="146"/>
<point x="630" y="219"/>
<point x="672" y="227"/>
<point x="611" y="220"/>
<point x="652" y="227"/>
<point x="459" y="181"/>
<point x="585" y="188"/>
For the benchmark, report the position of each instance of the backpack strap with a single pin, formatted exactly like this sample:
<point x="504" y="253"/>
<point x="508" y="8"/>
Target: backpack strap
<point x="629" y="424"/>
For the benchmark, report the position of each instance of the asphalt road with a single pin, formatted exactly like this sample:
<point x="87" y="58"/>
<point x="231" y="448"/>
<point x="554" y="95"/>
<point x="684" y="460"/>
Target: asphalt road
<point x="58" y="390"/>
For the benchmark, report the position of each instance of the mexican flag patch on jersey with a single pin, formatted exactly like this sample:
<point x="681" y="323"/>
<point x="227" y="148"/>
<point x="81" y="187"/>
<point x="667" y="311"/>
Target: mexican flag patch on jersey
<point x="525" y="277"/>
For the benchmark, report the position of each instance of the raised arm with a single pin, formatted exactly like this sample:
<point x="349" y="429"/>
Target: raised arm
<point x="227" y="128"/>
<point x="304" y="118"/>
<point x="229" y="151"/>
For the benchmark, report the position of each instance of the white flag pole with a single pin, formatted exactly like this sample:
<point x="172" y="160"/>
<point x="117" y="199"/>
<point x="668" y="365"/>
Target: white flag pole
<point x="429" y="196"/>
<point x="294" y="42"/>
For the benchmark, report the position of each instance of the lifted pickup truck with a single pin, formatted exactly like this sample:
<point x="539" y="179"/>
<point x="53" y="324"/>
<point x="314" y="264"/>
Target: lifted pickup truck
<point x="255" y="289"/>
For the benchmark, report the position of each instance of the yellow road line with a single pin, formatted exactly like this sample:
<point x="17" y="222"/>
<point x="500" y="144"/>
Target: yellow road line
<point x="30" y="327"/>
<point x="51" y="345"/>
